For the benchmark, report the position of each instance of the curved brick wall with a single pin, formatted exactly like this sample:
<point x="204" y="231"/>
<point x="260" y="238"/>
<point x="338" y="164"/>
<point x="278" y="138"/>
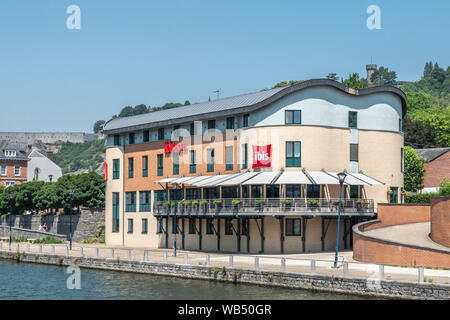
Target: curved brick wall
<point x="440" y="220"/>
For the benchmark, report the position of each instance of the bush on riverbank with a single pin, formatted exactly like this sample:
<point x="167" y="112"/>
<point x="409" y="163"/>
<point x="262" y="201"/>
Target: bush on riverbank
<point x="99" y="235"/>
<point x="48" y="240"/>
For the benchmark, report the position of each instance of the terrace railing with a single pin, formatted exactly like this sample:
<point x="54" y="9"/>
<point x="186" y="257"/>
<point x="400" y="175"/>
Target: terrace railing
<point x="264" y="206"/>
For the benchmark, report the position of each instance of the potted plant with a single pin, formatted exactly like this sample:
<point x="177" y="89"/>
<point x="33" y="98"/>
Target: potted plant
<point x="389" y="191"/>
<point x="158" y="205"/>
<point x="360" y="203"/>
<point x="218" y="204"/>
<point x="195" y="204"/>
<point x="336" y="203"/>
<point x="313" y="203"/>
<point x="235" y="202"/>
<point x="405" y="193"/>
<point x="259" y="204"/>
<point x="286" y="204"/>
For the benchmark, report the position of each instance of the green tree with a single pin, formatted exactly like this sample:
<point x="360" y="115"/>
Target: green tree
<point x="286" y="83"/>
<point x="355" y="82"/>
<point x="444" y="187"/>
<point x="382" y="76"/>
<point x="98" y="125"/>
<point x="414" y="170"/>
<point x="333" y="76"/>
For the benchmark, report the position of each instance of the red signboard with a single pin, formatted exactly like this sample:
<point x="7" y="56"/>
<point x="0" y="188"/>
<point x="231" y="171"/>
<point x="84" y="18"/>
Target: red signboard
<point x="105" y="170"/>
<point x="169" y="147"/>
<point x="262" y="156"/>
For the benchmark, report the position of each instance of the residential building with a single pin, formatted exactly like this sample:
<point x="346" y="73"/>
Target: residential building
<point x="437" y="167"/>
<point x="41" y="168"/>
<point x="13" y="165"/>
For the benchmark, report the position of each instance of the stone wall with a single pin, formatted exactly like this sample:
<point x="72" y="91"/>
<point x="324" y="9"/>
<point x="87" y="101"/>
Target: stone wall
<point x="318" y="282"/>
<point x="28" y="234"/>
<point x="440" y="220"/>
<point x="84" y="224"/>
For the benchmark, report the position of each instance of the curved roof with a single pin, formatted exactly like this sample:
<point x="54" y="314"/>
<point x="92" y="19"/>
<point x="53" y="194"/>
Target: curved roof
<point x="238" y="104"/>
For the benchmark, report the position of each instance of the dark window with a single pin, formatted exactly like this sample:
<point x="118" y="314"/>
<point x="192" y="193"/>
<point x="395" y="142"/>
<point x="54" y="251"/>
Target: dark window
<point x="144" y="201"/>
<point x="145" y="166"/>
<point x="131" y="202"/>
<point x="116" y="168"/>
<point x="192" y="165"/>
<point x="146" y="136"/>
<point x="353" y="152"/>
<point x="245" y="124"/>
<point x="293" y="151"/>
<point x="211" y="124"/>
<point x="115" y="212"/>
<point x="210" y="160"/>
<point x="229" y="158"/>
<point x="193" y="193"/>
<point x="293" y="227"/>
<point x="352" y="119"/>
<point x="160" y="228"/>
<point x="131" y="138"/>
<point x="230" y="123"/>
<point x="230" y="192"/>
<point x="130" y="225"/>
<point x="161" y="134"/>
<point x="210" y="193"/>
<point x="354" y="190"/>
<point x="160" y="195"/>
<point x="130" y="167"/>
<point x="116" y="140"/>
<point x="192" y="226"/>
<point x="176" y="162"/>
<point x="245" y="192"/>
<point x="256" y="191"/>
<point x="192" y="129"/>
<point x="209" y="226"/>
<point x="273" y="191"/>
<point x="293" y="191"/>
<point x="176" y="194"/>
<point x="160" y="164"/>
<point x="313" y="191"/>
<point x="228" y="226"/>
<point x="244" y="156"/>
<point x="293" y="116"/>
<point x="144" y="226"/>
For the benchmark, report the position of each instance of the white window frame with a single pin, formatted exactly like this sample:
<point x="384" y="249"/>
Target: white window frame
<point x="5" y="173"/>
<point x="20" y="170"/>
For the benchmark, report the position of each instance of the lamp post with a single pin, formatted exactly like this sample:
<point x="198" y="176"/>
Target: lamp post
<point x="175" y="221"/>
<point x="50" y="177"/>
<point x="341" y="177"/>
<point x="70" y="219"/>
<point x="11" y="197"/>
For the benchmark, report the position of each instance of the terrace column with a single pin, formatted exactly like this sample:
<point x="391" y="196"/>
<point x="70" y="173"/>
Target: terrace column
<point x="305" y="220"/>
<point x="281" y="235"/>
<point x="262" y="234"/>
<point x="199" y="233"/>
<point x="182" y="233"/>
<point x="167" y="231"/>
<point x="218" y="234"/>
<point x="238" y="234"/>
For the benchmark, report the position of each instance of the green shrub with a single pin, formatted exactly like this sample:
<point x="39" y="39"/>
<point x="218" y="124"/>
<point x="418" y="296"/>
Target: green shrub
<point x="444" y="187"/>
<point x="420" y="198"/>
<point x="259" y="201"/>
<point x="195" y="202"/>
<point x="313" y="202"/>
<point x="99" y="235"/>
<point x="204" y="202"/>
<point x="187" y="202"/>
<point x="235" y="202"/>
<point x="20" y="239"/>
<point x="285" y="202"/>
<point x="217" y="202"/>
<point x="48" y="240"/>
<point x="158" y="203"/>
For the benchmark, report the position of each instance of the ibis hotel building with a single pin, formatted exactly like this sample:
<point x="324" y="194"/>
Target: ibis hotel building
<point x="255" y="173"/>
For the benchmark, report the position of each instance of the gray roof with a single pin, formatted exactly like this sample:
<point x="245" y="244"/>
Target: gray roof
<point x="431" y="154"/>
<point x="233" y="105"/>
<point x="5" y="145"/>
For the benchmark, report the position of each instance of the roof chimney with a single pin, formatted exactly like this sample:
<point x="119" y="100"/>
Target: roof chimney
<point x="370" y="68"/>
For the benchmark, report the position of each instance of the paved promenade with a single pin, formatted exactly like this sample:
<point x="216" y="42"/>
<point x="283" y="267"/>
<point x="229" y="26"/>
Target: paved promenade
<point x="413" y="233"/>
<point x="318" y="263"/>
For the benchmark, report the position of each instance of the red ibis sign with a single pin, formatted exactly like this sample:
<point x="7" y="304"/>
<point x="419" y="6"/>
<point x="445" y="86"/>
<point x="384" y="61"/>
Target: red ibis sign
<point x="170" y="147"/>
<point x="262" y="156"/>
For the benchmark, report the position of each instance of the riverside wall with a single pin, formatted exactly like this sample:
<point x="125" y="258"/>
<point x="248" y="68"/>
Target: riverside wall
<point x="318" y="282"/>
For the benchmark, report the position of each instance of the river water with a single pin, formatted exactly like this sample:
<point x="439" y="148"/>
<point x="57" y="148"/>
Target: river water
<point x="44" y="282"/>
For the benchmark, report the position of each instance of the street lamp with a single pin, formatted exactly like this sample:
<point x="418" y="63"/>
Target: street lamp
<point x="11" y="197"/>
<point x="70" y="230"/>
<point x="50" y="177"/>
<point x="341" y="177"/>
<point x="175" y="221"/>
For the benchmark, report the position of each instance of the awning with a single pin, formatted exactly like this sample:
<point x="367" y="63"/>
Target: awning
<point x="165" y="180"/>
<point x="320" y="177"/>
<point x="183" y="180"/>
<point x="216" y="180"/>
<point x="293" y="177"/>
<point x="198" y="179"/>
<point x="350" y="180"/>
<point x="262" y="178"/>
<point x="365" y="178"/>
<point x="239" y="179"/>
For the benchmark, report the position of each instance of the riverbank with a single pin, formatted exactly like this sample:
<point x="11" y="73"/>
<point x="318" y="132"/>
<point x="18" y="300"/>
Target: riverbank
<point x="317" y="282"/>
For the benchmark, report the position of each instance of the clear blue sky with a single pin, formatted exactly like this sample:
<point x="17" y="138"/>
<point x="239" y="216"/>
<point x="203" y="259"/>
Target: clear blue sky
<point x="152" y="52"/>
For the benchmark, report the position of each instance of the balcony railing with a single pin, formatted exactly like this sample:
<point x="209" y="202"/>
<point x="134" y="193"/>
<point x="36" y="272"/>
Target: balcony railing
<point x="264" y="206"/>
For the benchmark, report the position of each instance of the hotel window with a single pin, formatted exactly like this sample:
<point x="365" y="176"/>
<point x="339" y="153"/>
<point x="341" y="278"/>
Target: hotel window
<point x="230" y="123"/>
<point x="17" y="171"/>
<point x="145" y="166"/>
<point x="131" y="138"/>
<point x="116" y="169"/>
<point x="115" y="212"/>
<point x="161" y="134"/>
<point x="192" y="129"/>
<point x="228" y="226"/>
<point x="313" y="191"/>
<point x="293" y="191"/>
<point x="176" y="162"/>
<point x="244" y="156"/>
<point x="160" y="195"/>
<point x="130" y="167"/>
<point x="354" y="192"/>
<point x="159" y="228"/>
<point x="144" y="201"/>
<point x="210" y="160"/>
<point x="245" y="120"/>
<point x="193" y="193"/>
<point x="4" y="170"/>
<point x="229" y="158"/>
<point x="144" y="226"/>
<point x="352" y="119"/>
<point x="209" y="226"/>
<point x="293" y="227"/>
<point x="293" y="117"/>
<point x="160" y="164"/>
<point x="175" y="224"/>
<point x="293" y="154"/>
<point x="130" y="225"/>
<point x="192" y="165"/>
<point x="353" y="152"/>
<point x="401" y="159"/>
<point x="211" y="124"/>
<point x="131" y="202"/>
<point x="146" y="136"/>
<point x="192" y="226"/>
<point x="116" y="140"/>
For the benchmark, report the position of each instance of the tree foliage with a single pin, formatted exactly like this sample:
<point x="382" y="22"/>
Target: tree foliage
<point x="355" y="82"/>
<point x="75" y="156"/>
<point x="414" y="170"/>
<point x="98" y="125"/>
<point x="382" y="76"/>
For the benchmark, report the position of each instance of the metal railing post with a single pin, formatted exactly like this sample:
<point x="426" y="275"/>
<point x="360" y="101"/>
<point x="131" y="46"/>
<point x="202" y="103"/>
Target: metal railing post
<point x="165" y="257"/>
<point x="112" y="253"/>
<point x="313" y="266"/>
<point x="81" y="251"/>
<point x="207" y="260"/>
<point x="345" y="269"/>
<point x="40" y="248"/>
<point x="28" y="248"/>
<point x="145" y="255"/>
<point x="17" y="248"/>
<point x="97" y="252"/>
<point x="421" y="275"/>
<point x="129" y="254"/>
<point x="185" y="258"/>
<point x="67" y="251"/>
<point x="283" y="265"/>
<point x="53" y="250"/>
<point x="230" y="259"/>
<point x="256" y="263"/>
<point x="381" y="272"/>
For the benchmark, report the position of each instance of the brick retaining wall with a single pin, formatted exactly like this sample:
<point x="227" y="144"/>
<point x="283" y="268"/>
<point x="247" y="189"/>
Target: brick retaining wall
<point x="440" y="220"/>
